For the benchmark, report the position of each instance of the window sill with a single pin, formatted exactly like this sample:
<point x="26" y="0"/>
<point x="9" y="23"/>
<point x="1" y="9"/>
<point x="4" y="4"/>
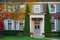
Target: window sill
<point x="52" y="12"/>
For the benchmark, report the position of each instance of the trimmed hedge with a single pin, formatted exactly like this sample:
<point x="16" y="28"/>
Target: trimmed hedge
<point x="12" y="33"/>
<point x="53" y="34"/>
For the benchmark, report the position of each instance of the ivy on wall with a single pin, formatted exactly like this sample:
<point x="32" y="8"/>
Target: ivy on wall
<point x="47" y="21"/>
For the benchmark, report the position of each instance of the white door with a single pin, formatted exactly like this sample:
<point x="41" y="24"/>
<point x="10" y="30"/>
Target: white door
<point x="37" y="29"/>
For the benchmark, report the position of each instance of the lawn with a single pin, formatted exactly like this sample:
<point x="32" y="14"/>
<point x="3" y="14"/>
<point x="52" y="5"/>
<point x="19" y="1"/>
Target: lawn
<point x="21" y="38"/>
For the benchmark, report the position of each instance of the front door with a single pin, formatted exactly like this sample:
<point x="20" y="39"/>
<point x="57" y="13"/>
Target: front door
<point x="37" y="29"/>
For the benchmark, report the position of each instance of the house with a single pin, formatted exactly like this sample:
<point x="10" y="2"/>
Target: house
<point x="36" y="15"/>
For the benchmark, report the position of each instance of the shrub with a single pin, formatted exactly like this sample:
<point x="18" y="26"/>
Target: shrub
<point x="27" y="27"/>
<point x="47" y="21"/>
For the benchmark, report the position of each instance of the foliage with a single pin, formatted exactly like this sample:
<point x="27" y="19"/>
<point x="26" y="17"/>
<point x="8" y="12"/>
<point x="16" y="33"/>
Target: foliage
<point x="12" y="33"/>
<point x="27" y="27"/>
<point x="53" y="34"/>
<point x="47" y="20"/>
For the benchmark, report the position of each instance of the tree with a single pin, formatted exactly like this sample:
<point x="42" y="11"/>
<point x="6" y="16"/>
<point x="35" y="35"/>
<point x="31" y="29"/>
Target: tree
<point x="27" y="27"/>
<point x="47" y="20"/>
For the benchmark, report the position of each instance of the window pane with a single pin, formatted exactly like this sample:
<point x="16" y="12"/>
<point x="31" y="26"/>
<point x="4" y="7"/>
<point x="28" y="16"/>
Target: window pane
<point x="52" y="8"/>
<point x="9" y="26"/>
<point x="53" y="24"/>
<point x="21" y="26"/>
<point x="36" y="8"/>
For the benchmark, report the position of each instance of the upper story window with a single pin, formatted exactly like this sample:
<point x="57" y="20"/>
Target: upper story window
<point x="37" y="8"/>
<point x="15" y="7"/>
<point x="9" y="8"/>
<point x="4" y="7"/>
<point x="52" y="8"/>
<point x="22" y="7"/>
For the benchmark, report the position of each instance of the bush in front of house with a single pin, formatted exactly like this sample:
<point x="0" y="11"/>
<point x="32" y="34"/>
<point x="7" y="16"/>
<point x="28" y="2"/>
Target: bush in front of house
<point x="12" y="33"/>
<point x="53" y="34"/>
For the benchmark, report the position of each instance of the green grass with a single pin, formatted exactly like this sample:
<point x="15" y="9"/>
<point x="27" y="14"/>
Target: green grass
<point x="21" y="38"/>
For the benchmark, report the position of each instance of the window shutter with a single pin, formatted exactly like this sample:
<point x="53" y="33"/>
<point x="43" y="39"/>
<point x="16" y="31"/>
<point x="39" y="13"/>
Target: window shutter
<point x="5" y="24"/>
<point x="57" y="8"/>
<point x="17" y="25"/>
<point x="58" y="24"/>
<point x="41" y="7"/>
<point x="13" y="26"/>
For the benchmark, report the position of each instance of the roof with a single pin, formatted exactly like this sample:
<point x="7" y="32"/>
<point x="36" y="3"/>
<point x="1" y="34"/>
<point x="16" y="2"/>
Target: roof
<point x="30" y="0"/>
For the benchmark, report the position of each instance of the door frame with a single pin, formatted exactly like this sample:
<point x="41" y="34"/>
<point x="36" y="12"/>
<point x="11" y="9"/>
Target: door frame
<point x="32" y="27"/>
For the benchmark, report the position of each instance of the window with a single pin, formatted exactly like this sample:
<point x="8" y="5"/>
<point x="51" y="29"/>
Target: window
<point x="4" y="7"/>
<point x="8" y="24"/>
<point x="37" y="8"/>
<point x="9" y="8"/>
<point x="11" y="25"/>
<point x="15" y="7"/>
<point x="53" y="24"/>
<point x="20" y="25"/>
<point x="52" y="8"/>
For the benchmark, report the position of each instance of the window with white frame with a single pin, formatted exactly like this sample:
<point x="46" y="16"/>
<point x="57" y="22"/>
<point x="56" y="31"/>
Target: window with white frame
<point x="8" y="24"/>
<point x="15" y="7"/>
<point x="53" y="24"/>
<point x="4" y="7"/>
<point x="20" y="25"/>
<point x="37" y="8"/>
<point x="22" y="6"/>
<point x="52" y="8"/>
